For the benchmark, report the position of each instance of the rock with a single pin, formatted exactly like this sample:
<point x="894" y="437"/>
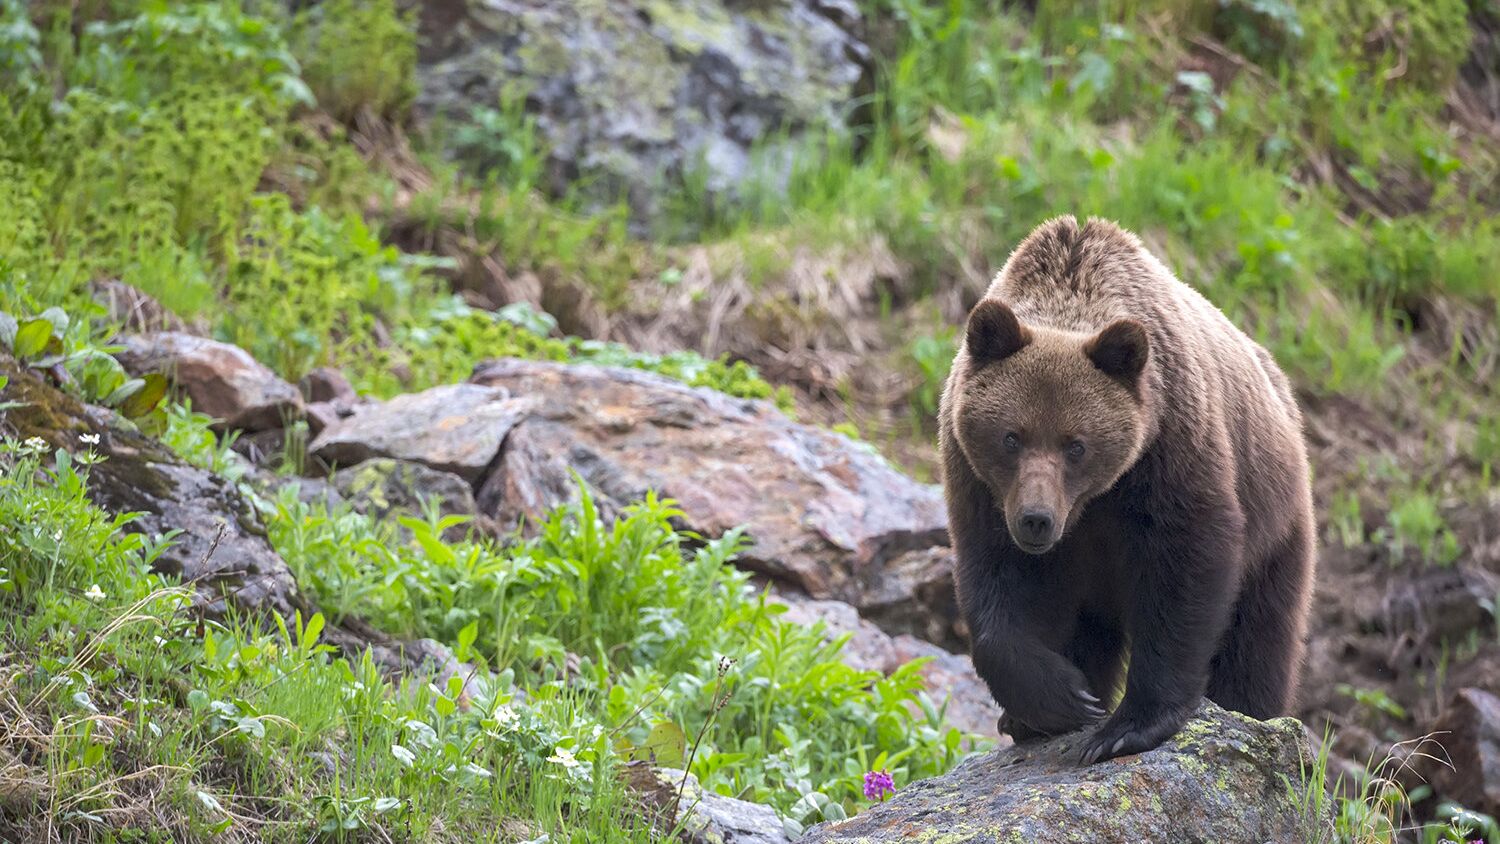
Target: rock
<point x="822" y="511"/>
<point x="1223" y="779"/>
<point x="913" y="593"/>
<point x="705" y="817"/>
<point x="456" y="428"/>
<point x="323" y="415"/>
<point x="1469" y="732"/>
<point x="627" y="92"/>
<point x="222" y="550"/>
<point x="222" y="380"/>
<point x="326" y="384"/>
<point x="383" y="485"/>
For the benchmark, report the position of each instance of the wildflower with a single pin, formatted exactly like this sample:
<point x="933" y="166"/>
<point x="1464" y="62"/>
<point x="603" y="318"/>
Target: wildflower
<point x="37" y="444"/>
<point x="94" y="593"/>
<point x="89" y="439"/>
<point x="505" y="716"/>
<point x="878" y="784"/>
<point x="564" y="757"/>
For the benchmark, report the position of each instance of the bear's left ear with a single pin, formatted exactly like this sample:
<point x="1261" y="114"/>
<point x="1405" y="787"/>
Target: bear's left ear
<point x="994" y="333"/>
<point x="1120" y="350"/>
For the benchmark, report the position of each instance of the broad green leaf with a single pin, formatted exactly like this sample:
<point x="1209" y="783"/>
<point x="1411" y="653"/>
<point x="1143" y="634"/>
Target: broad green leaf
<point x="32" y="337"/>
<point x="666" y="743"/>
<point x="146" y="400"/>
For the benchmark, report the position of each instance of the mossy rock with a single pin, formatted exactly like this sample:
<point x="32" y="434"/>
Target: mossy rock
<point x="1224" y="778"/>
<point x="627" y="93"/>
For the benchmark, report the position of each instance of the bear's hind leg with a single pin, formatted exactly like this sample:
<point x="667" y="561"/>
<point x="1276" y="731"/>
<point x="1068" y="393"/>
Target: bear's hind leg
<point x="1256" y="668"/>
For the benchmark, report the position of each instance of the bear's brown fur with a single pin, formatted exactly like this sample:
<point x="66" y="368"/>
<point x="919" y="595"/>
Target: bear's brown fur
<point x="1125" y="473"/>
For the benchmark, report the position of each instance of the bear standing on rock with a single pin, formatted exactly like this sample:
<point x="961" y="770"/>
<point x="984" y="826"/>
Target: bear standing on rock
<point x="1125" y="476"/>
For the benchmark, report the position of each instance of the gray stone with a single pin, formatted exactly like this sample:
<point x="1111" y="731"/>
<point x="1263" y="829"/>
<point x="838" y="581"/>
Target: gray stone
<point x="1223" y="779"/>
<point x="704" y="817"/>
<point x="456" y="428"/>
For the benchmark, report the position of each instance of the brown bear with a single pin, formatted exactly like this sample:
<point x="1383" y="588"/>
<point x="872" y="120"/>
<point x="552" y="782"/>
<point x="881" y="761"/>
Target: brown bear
<point x="1125" y="476"/>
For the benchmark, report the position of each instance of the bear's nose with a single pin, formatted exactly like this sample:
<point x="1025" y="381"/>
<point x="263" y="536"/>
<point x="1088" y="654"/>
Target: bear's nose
<point x="1036" y="525"/>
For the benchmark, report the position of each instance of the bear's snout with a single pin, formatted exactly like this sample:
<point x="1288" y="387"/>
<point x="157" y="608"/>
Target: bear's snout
<point x="1034" y="530"/>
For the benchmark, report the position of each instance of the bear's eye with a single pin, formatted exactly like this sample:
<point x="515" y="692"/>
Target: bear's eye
<point x="1076" y="451"/>
<point x="1012" y="442"/>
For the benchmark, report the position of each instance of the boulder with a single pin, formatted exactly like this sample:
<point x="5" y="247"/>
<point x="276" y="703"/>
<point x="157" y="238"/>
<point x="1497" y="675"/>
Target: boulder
<point x="629" y="92"/>
<point x="1469" y="732"/>
<point x="329" y="385"/>
<point x="913" y="594"/>
<point x="456" y="428"/>
<point x="822" y="510"/>
<point x="222" y="380"/>
<point x="222" y="550"/>
<point x="1223" y="778"/>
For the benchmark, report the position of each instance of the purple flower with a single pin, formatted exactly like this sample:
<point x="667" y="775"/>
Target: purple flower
<point x="878" y="784"/>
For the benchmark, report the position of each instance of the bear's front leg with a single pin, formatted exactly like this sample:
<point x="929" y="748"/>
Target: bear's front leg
<point x="1016" y="614"/>
<point x="1179" y="612"/>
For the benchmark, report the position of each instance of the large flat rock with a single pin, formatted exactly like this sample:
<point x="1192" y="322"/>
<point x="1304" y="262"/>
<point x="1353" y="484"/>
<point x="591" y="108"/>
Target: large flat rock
<point x="1224" y="779"/>
<point x="456" y="428"/>
<point x="822" y="510"/>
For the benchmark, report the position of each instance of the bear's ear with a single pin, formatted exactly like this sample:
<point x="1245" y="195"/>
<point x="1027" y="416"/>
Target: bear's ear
<point x="1120" y="350"/>
<point x="994" y="332"/>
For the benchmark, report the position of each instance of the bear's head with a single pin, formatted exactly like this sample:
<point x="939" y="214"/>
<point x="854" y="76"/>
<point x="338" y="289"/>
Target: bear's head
<point x="1048" y="419"/>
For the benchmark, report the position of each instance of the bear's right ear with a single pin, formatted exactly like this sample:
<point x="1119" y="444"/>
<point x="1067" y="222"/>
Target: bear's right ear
<point x="994" y="332"/>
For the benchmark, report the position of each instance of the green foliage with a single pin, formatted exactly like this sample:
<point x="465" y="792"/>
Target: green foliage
<point x="223" y="720"/>
<point x="630" y="613"/>
<point x="358" y="54"/>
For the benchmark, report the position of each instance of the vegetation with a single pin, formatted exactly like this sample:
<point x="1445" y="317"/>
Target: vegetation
<point x="1295" y="162"/>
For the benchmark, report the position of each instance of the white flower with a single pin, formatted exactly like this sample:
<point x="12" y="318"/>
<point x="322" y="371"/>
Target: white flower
<point x="506" y="716"/>
<point x="564" y="757"/>
<point x="37" y="444"/>
<point x="406" y="757"/>
<point x="94" y="593"/>
<point x="57" y="535"/>
<point x="89" y="439"/>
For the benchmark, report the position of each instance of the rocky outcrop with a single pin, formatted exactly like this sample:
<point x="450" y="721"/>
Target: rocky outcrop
<point x="823" y="512"/>
<point x="222" y="380"/>
<point x="1223" y="779"/>
<point x="630" y="92"/>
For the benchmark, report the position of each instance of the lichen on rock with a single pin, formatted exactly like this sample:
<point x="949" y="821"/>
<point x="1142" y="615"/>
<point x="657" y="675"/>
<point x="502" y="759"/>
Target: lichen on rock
<point x="1224" y="778"/>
